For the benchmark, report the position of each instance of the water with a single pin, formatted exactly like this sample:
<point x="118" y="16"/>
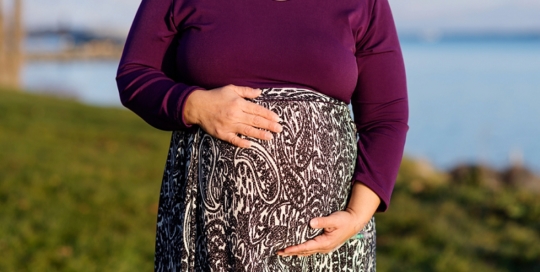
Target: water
<point x="469" y="101"/>
<point x="474" y="102"/>
<point x="92" y="82"/>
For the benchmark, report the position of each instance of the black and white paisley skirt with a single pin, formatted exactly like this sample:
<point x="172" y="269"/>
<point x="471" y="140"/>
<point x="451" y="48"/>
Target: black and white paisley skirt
<point x="224" y="208"/>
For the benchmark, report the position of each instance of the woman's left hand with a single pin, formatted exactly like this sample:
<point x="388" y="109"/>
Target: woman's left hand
<point x="338" y="227"/>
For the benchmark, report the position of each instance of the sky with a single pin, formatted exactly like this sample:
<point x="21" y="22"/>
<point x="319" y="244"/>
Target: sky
<point x="116" y="15"/>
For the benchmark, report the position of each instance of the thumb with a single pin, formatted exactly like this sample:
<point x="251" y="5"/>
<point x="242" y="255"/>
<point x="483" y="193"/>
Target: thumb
<point x="247" y="92"/>
<point x="321" y="223"/>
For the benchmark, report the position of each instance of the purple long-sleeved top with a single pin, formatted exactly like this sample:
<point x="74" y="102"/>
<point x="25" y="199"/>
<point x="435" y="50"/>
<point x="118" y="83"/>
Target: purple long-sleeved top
<point x="346" y="49"/>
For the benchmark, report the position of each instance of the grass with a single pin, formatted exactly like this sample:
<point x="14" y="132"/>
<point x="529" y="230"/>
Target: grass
<point x="439" y="224"/>
<point x="79" y="188"/>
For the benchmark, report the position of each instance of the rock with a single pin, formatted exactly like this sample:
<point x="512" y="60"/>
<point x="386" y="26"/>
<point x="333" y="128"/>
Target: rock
<point x="521" y="177"/>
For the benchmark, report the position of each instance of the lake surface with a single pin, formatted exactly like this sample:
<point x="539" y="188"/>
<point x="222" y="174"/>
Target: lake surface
<point x="469" y="101"/>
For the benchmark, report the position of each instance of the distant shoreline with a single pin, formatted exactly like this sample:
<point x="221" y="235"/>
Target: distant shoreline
<point x="469" y="36"/>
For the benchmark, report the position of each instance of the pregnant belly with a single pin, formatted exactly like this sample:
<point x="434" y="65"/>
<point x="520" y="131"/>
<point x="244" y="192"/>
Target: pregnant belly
<point x="263" y="197"/>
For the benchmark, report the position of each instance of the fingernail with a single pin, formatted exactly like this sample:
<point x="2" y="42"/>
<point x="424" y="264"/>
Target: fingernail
<point x="313" y="222"/>
<point x="269" y="136"/>
<point x="280" y="128"/>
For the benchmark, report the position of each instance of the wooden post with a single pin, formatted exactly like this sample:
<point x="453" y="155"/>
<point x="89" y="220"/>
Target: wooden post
<point x="11" y="47"/>
<point x="3" y="70"/>
<point x="18" y="39"/>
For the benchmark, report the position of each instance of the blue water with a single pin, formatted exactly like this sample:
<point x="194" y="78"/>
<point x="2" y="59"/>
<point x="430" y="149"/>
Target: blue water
<point x="474" y="102"/>
<point x="92" y="82"/>
<point x="469" y="101"/>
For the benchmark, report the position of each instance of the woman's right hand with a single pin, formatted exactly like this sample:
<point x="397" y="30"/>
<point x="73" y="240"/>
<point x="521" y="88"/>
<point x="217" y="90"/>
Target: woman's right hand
<point x="224" y="113"/>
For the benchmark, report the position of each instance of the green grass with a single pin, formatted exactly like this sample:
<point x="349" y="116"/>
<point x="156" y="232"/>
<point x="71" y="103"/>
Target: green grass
<point x="79" y="187"/>
<point x="439" y="224"/>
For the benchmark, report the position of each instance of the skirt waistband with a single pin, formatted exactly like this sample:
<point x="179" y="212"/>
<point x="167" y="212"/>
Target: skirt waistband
<point x="296" y="94"/>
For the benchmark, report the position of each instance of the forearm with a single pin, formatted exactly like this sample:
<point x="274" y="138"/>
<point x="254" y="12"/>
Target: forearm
<point x="363" y="204"/>
<point x="380" y="104"/>
<point x="153" y="96"/>
<point x="148" y="81"/>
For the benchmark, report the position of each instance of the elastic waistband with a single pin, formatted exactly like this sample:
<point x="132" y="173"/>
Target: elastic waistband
<point x="296" y="94"/>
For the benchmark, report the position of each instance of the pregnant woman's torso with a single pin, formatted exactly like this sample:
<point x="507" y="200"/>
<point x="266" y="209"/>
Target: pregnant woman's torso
<point x="266" y="43"/>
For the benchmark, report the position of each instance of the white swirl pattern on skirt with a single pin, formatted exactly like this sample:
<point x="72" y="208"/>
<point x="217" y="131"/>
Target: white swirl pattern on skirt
<point x="224" y="208"/>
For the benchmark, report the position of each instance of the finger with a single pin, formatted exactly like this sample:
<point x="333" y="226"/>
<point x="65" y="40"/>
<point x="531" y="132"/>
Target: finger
<point x="259" y="110"/>
<point x="322" y="223"/>
<point x="246" y="92"/>
<point x="237" y="141"/>
<point x="260" y="122"/>
<point x="254" y="132"/>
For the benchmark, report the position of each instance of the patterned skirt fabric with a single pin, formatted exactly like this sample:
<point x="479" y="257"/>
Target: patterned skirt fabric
<point x="224" y="208"/>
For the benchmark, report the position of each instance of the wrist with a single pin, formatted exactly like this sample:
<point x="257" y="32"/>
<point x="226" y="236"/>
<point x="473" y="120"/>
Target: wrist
<point x="191" y="106"/>
<point x="362" y="205"/>
<point x="358" y="221"/>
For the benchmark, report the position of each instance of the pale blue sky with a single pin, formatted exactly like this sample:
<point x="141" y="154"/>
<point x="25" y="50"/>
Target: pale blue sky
<point x="409" y="14"/>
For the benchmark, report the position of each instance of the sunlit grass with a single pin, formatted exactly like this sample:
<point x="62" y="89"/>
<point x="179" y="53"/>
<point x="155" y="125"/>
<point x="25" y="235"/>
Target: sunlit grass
<point x="79" y="186"/>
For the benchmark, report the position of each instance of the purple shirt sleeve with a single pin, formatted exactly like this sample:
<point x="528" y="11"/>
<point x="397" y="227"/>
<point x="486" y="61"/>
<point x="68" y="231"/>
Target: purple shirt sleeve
<point x="380" y="104"/>
<point x="145" y="76"/>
